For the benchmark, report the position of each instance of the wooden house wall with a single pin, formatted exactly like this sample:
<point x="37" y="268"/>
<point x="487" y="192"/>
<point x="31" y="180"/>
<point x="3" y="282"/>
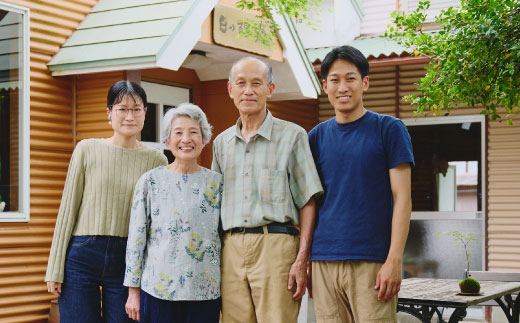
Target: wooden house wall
<point x="504" y="196"/>
<point x="91" y="104"/>
<point x="24" y="247"/>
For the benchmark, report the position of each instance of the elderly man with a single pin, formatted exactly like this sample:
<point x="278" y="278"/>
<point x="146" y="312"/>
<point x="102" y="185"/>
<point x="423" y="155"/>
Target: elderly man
<point x="270" y="182"/>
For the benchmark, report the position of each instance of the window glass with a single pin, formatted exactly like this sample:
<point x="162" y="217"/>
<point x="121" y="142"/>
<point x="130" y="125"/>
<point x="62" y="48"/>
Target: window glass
<point x="149" y="132"/>
<point x="11" y="100"/>
<point x="447" y="176"/>
<point x="446" y="196"/>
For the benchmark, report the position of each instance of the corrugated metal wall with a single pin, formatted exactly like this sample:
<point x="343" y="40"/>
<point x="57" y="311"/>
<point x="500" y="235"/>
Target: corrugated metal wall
<point x="91" y="115"/>
<point x="503" y="158"/>
<point x="504" y="196"/>
<point x="24" y="247"/>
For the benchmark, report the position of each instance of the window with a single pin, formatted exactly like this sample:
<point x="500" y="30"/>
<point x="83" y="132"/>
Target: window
<point x="448" y="194"/>
<point x="161" y="98"/>
<point x="14" y="113"/>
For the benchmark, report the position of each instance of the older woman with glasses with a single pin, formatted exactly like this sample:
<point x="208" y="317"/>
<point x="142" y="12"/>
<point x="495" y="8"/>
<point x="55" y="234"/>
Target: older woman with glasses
<point x="88" y="248"/>
<point x="173" y="251"/>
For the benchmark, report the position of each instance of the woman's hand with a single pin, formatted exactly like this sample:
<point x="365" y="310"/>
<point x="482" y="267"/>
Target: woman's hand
<point x="54" y="287"/>
<point x="132" y="303"/>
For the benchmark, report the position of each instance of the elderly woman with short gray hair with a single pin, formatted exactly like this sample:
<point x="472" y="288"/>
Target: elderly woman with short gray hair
<point x="173" y="250"/>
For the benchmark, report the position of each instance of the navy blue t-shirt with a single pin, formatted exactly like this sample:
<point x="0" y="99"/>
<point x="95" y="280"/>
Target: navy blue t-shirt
<point x="353" y="160"/>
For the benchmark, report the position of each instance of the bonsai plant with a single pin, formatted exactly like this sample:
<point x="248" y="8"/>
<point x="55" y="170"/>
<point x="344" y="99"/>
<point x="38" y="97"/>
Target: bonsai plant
<point x="468" y="285"/>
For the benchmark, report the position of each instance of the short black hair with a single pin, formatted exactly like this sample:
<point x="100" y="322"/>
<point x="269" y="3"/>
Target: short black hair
<point x="121" y="88"/>
<point x="348" y="53"/>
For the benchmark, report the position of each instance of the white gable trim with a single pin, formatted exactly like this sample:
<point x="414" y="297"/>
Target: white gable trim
<point x="183" y="39"/>
<point x="295" y="55"/>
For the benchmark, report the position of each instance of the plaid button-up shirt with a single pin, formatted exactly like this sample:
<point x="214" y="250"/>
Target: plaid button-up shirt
<point x="267" y="179"/>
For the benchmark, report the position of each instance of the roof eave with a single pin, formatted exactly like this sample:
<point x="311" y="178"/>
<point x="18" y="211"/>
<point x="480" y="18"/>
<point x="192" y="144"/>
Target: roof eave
<point x="103" y="66"/>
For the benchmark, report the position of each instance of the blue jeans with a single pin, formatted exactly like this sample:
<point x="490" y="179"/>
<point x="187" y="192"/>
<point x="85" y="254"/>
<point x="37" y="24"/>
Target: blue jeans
<point x="92" y="262"/>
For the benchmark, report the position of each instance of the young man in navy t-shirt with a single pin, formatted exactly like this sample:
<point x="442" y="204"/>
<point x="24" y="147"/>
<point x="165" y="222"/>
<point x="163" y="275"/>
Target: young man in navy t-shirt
<point x="364" y="161"/>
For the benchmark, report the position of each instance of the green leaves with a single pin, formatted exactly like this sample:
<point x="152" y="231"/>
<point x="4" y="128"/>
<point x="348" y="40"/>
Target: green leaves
<point x="475" y="56"/>
<point x="461" y="239"/>
<point x="264" y="30"/>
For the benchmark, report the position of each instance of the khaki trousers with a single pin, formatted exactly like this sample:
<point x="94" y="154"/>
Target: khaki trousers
<point x="255" y="272"/>
<point x="343" y="292"/>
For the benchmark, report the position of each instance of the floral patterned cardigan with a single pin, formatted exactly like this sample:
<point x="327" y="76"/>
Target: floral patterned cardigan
<point x="173" y="249"/>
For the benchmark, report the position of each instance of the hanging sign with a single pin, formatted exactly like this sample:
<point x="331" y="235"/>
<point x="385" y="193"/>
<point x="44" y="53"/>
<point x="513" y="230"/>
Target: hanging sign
<point x="228" y="22"/>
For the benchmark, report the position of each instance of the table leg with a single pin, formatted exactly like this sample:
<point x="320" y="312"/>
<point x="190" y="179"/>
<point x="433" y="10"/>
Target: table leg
<point x="458" y="315"/>
<point x="511" y="309"/>
<point x="516" y="309"/>
<point x="422" y="312"/>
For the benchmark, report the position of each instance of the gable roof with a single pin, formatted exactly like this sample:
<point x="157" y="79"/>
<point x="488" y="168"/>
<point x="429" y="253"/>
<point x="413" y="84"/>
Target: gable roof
<point x="139" y="34"/>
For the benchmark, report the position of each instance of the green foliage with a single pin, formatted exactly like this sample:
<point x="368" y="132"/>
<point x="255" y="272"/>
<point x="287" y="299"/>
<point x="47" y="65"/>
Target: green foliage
<point x="469" y="285"/>
<point x="264" y="30"/>
<point x="461" y="239"/>
<point x="475" y="56"/>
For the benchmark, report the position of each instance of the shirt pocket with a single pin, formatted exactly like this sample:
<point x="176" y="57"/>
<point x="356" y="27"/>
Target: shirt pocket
<point x="273" y="186"/>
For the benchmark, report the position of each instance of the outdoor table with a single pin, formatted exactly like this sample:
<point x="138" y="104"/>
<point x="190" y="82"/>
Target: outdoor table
<point x="423" y="297"/>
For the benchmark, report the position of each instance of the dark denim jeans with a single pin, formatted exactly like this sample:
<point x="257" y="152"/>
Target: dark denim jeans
<point x="155" y="310"/>
<point x="91" y="262"/>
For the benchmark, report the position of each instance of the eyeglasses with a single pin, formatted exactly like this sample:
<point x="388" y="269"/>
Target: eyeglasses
<point x="123" y="112"/>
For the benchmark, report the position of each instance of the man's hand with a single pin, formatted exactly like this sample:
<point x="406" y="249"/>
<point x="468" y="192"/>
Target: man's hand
<point x="388" y="280"/>
<point x="132" y="303"/>
<point x="298" y="276"/>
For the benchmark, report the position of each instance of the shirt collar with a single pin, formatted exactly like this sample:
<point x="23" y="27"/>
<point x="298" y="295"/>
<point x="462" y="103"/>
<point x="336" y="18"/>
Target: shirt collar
<point x="264" y="130"/>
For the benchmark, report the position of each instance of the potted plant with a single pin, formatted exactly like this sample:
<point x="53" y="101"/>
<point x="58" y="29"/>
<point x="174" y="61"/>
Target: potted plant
<point x="468" y="286"/>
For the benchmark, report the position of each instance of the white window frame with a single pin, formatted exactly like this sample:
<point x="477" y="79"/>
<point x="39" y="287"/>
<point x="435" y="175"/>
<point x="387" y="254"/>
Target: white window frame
<point x="23" y="213"/>
<point x="162" y="95"/>
<point x="430" y="121"/>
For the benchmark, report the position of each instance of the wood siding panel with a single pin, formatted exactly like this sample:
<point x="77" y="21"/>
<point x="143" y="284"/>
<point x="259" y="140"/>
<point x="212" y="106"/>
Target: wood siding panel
<point x="301" y="112"/>
<point x="24" y="247"/>
<point x="504" y="190"/>
<point x="91" y="105"/>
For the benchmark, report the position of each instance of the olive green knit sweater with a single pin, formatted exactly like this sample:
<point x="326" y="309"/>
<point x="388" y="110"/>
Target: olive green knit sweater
<point x="97" y="194"/>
